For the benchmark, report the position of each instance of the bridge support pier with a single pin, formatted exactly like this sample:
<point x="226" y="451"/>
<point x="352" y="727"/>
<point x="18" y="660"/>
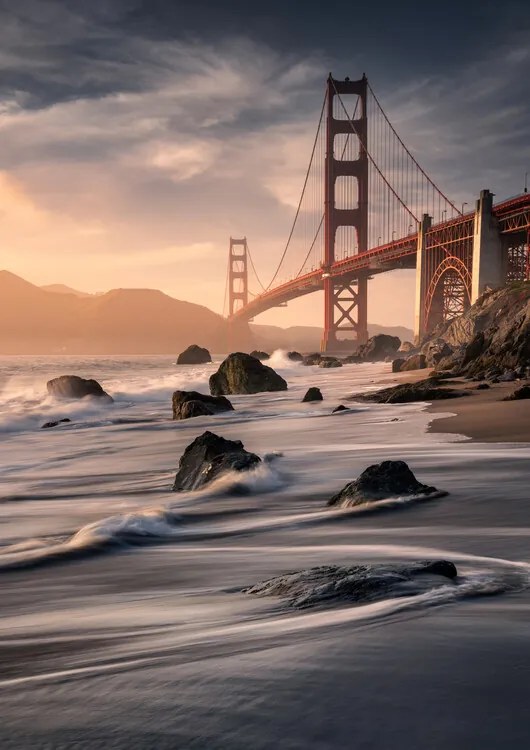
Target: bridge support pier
<point x="489" y="264"/>
<point x="345" y="311"/>
<point x="421" y="281"/>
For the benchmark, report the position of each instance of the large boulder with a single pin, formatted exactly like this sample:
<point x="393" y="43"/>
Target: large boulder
<point x="241" y="373"/>
<point x="404" y="393"/>
<point x="313" y="394"/>
<point x="187" y="404"/>
<point x="74" y="387"/>
<point x="397" y="364"/>
<point x="434" y="351"/>
<point x="312" y="359"/>
<point x="414" y="362"/>
<point x="194" y="355"/>
<point x="379" y="347"/>
<point x="388" y="479"/>
<point x="260" y="355"/>
<point x="407" y="347"/>
<point x="295" y="356"/>
<point x="327" y="362"/>
<point x="208" y="457"/>
<point x="357" y="584"/>
<point x="520" y="393"/>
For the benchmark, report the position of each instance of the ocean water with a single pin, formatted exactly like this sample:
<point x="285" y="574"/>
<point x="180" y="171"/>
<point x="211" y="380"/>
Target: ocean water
<point x="124" y="623"/>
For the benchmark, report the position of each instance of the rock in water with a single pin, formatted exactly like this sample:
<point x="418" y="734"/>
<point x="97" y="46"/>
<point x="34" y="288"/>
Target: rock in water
<point x="340" y="408"/>
<point x="379" y="482"/>
<point x="330" y="362"/>
<point x="260" y="355"/>
<point x="241" y="373"/>
<point x="312" y="359"/>
<point x="295" y="356"/>
<point x="334" y="584"/>
<point x="72" y="386"/>
<point x="188" y="404"/>
<point x="208" y="457"/>
<point x="379" y="347"/>
<point x="519" y="393"/>
<point x="47" y="425"/>
<point x="405" y="393"/>
<point x="194" y="355"/>
<point x="313" y="394"/>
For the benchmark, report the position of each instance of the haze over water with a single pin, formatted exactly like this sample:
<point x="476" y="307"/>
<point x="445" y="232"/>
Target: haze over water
<point x="123" y="621"/>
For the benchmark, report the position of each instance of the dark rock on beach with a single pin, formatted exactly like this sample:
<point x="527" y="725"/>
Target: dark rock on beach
<point x="187" y="404"/>
<point x="47" y="425"/>
<point x="414" y="362"/>
<point x="194" y="355"/>
<point x="313" y="394"/>
<point x="397" y="364"/>
<point x="241" y="373"/>
<point x="327" y="362"/>
<point x="357" y="584"/>
<point x="404" y="393"/>
<point x="74" y="387"/>
<point x="340" y="408"/>
<point x="312" y="359"/>
<point x="208" y="457"/>
<point x="295" y="356"/>
<point x="520" y="393"/>
<point x="379" y="347"/>
<point x="380" y="482"/>
<point x="260" y="355"/>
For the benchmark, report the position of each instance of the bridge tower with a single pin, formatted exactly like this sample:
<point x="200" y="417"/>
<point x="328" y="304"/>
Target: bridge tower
<point x="345" y="303"/>
<point x="237" y="275"/>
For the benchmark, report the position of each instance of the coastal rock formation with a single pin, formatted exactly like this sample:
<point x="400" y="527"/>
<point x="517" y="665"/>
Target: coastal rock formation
<point x="357" y="584"/>
<point x="492" y="335"/>
<point x="380" y="482"/>
<point x="351" y="359"/>
<point x="435" y="350"/>
<point x="47" y="425"/>
<point x="327" y="362"/>
<point x="187" y="404"/>
<point x="520" y="393"/>
<point x="208" y="457"/>
<point x="379" y="347"/>
<point x="74" y="387"/>
<point x="295" y="356"/>
<point x="194" y="355"/>
<point x="313" y="394"/>
<point x="407" y="347"/>
<point x="260" y="355"/>
<point x="397" y="364"/>
<point x="340" y="408"/>
<point x="404" y="393"/>
<point x="312" y="359"/>
<point x="414" y="362"/>
<point x="241" y="373"/>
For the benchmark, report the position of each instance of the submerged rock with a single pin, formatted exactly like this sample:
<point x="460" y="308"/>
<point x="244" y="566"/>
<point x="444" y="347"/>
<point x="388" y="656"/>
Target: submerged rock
<point x="47" y="425"/>
<point x="330" y="362"/>
<point x="335" y="584"/>
<point x="340" y="407"/>
<point x="208" y="457"/>
<point x="295" y="356"/>
<point x="380" y="482"/>
<point x="74" y="387"/>
<point x="194" y="355"/>
<point x="313" y="394"/>
<point x="520" y="393"/>
<point x="187" y="404"/>
<point x="404" y="393"/>
<point x="241" y="373"/>
<point x="260" y="355"/>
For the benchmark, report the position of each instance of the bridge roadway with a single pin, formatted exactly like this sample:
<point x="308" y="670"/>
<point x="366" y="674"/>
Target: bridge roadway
<point x="398" y="254"/>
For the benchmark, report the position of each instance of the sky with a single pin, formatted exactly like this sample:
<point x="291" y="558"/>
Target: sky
<point x="136" y="136"/>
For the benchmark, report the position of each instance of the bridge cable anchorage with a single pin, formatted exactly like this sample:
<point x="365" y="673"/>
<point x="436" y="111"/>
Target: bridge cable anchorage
<point x="344" y="148"/>
<point x="354" y="130"/>
<point x="411" y="156"/>
<point x="301" y="197"/>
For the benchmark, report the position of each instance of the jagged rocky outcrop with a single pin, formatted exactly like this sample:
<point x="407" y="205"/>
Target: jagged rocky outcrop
<point x="241" y="373"/>
<point x="492" y="336"/>
<point x="187" y="404"/>
<point x="194" y="355"/>
<point x="208" y="457"/>
<point x="423" y="390"/>
<point x="434" y="351"/>
<point x="414" y="362"/>
<point x="74" y="387"/>
<point x="47" y="425"/>
<point x="356" y="584"/>
<point x="260" y="355"/>
<point x="379" y="347"/>
<point x="295" y="356"/>
<point x="388" y="479"/>
<point x="313" y="394"/>
<point x="407" y="347"/>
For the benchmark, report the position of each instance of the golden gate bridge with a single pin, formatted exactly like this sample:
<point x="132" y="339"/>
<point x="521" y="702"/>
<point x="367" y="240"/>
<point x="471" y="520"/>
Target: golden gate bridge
<point x="367" y="207"/>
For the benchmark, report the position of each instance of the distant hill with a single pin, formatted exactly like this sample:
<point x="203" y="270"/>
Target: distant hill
<point x="122" y="321"/>
<point x="63" y="289"/>
<point x="307" y="338"/>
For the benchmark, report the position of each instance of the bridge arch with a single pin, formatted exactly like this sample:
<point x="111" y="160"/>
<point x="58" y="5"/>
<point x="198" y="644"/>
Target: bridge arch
<point x="449" y="292"/>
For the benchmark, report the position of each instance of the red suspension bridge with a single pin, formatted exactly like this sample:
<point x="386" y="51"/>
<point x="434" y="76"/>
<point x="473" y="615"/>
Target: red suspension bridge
<point x="367" y="207"/>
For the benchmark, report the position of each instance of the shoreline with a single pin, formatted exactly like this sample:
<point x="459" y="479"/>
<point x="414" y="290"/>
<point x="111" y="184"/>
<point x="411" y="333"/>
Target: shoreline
<point x="482" y="416"/>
